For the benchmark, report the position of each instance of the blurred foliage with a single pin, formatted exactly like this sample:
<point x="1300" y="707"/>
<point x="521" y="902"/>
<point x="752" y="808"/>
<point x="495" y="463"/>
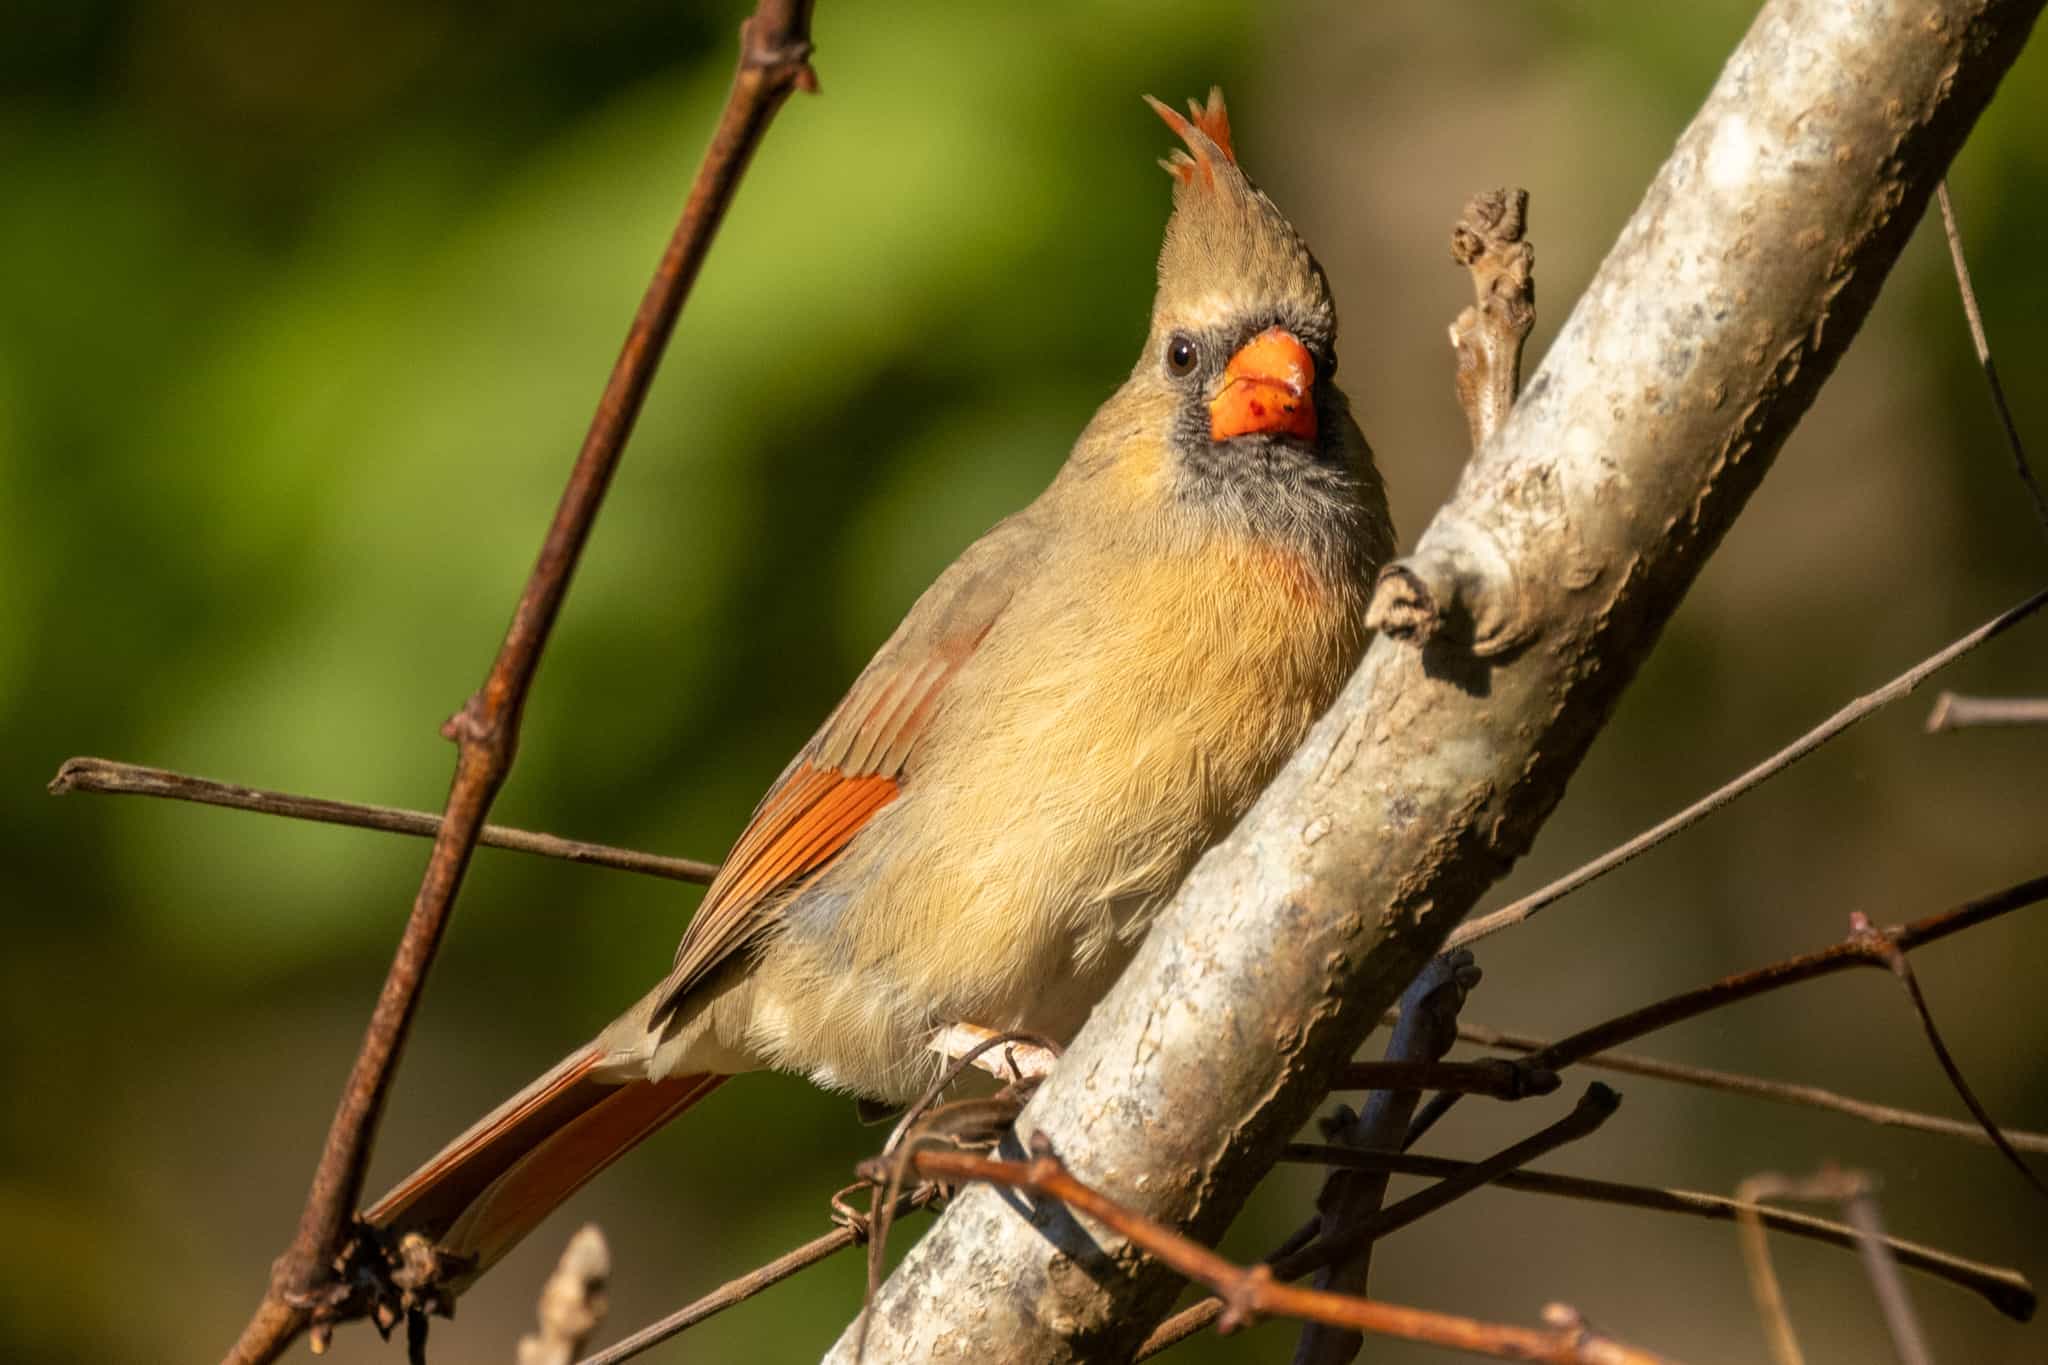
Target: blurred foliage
<point x="302" y="313"/>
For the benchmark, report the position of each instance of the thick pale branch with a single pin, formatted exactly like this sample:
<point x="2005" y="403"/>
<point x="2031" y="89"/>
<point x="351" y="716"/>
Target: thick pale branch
<point x="1700" y="343"/>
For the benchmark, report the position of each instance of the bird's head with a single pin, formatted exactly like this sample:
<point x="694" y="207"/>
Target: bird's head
<point x="1243" y="336"/>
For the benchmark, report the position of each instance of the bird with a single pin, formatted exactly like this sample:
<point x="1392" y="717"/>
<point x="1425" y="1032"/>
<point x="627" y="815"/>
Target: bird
<point x="1079" y="706"/>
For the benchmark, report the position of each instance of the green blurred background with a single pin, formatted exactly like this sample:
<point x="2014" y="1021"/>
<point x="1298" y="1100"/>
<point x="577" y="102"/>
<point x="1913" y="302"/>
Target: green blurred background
<point x="302" y="312"/>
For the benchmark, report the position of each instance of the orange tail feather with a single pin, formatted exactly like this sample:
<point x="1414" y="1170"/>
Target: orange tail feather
<point x="494" y="1184"/>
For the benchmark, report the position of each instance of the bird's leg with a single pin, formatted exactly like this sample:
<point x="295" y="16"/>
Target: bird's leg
<point x="1021" y="1059"/>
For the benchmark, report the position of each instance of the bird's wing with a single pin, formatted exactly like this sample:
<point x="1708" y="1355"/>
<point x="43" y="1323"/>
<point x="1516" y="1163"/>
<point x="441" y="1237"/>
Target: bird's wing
<point x="858" y="761"/>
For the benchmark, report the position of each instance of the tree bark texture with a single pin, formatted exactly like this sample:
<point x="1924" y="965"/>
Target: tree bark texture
<point x="1523" y="612"/>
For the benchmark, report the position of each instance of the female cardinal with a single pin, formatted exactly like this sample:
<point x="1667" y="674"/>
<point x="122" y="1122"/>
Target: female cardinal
<point x="1082" y="703"/>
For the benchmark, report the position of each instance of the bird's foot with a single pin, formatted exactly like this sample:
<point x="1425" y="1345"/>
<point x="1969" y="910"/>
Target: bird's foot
<point x="1022" y="1059"/>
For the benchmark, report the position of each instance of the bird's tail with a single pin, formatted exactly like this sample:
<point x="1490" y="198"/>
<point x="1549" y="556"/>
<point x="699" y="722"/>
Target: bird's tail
<point x="494" y="1184"/>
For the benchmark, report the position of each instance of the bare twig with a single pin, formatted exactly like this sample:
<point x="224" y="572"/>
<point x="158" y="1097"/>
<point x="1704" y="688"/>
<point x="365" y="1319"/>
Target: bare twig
<point x="1764" y="1288"/>
<point x="1495" y="1077"/>
<point x="1299" y="1255"/>
<point x="1859" y="949"/>
<point x="1850" y="1189"/>
<point x="1975" y="317"/>
<point x="747" y="1286"/>
<point x="1424" y="1032"/>
<point x="1894" y="957"/>
<point x="1756" y="1087"/>
<point x="1911" y="1343"/>
<point x="572" y="1302"/>
<point x="1953" y="711"/>
<point x="1487" y="240"/>
<point x="774" y="61"/>
<point x="110" y="777"/>
<point x="1249" y="1293"/>
<point x="1475" y="929"/>
<point x="2005" y="1289"/>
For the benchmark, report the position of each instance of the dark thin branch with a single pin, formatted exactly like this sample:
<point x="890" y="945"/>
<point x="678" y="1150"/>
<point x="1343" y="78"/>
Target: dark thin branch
<point x="1473" y="930"/>
<point x="1297" y="1257"/>
<point x="1857" y="950"/>
<point x="1975" y="318"/>
<point x="1251" y="1292"/>
<point x="2005" y="1289"/>
<point x="1953" y="711"/>
<point x="1756" y="1087"/>
<point x="747" y="1285"/>
<point x="774" y="61"/>
<point x="1894" y="957"/>
<point x="1495" y="1077"/>
<point x="110" y="777"/>
<point x="1424" y="1032"/>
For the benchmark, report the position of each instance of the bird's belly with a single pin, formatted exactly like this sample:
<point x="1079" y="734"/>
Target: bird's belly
<point x="1011" y="881"/>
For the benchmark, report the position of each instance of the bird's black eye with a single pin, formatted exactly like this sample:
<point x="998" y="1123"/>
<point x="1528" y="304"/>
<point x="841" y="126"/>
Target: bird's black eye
<point x="1182" y="355"/>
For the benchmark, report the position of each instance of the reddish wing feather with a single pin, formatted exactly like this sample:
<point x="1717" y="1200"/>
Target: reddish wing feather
<point x="849" y="772"/>
<point x="799" y="828"/>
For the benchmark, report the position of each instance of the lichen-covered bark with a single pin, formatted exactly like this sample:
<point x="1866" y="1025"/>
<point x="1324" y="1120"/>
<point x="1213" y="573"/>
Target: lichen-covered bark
<point x="1542" y="584"/>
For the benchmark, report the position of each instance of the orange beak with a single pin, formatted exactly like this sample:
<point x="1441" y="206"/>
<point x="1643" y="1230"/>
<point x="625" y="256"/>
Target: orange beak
<point x="1267" y="386"/>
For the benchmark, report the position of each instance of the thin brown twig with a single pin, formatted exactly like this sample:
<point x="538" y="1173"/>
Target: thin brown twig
<point x="1975" y="317"/>
<point x="1861" y="708"/>
<point x="774" y="60"/>
<point x="1756" y="1087"/>
<point x="1894" y="957"/>
<point x="746" y="1286"/>
<point x="1856" y="950"/>
<point x="1253" y="1292"/>
<point x="2005" y="1289"/>
<point x="1300" y="1254"/>
<point x="1764" y="1288"/>
<point x="1954" y="711"/>
<point x="113" y="778"/>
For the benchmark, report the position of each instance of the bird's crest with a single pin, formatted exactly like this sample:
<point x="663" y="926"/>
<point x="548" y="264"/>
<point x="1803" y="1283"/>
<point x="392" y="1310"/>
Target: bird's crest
<point x="1226" y="240"/>
<point x="1207" y="134"/>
